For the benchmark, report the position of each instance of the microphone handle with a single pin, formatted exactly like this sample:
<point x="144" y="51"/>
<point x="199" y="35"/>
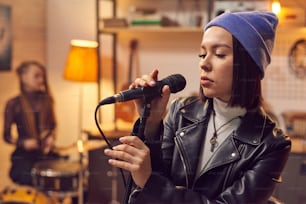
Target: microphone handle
<point x="141" y="92"/>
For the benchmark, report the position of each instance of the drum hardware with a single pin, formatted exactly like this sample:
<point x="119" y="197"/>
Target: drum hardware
<point x="80" y="145"/>
<point x="86" y="145"/>
<point x="113" y="174"/>
<point x="23" y="195"/>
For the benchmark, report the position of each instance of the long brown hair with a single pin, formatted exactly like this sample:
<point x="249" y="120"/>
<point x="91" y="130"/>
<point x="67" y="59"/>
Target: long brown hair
<point x="47" y="121"/>
<point x="23" y="68"/>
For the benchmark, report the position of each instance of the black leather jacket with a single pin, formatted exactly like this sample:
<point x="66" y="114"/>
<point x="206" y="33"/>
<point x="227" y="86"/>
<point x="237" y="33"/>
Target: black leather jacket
<point x="244" y="169"/>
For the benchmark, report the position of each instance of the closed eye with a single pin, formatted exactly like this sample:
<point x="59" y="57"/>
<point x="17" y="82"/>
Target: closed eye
<point x="202" y="56"/>
<point x="220" y="55"/>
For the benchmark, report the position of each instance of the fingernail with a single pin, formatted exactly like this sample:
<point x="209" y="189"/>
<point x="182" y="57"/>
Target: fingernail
<point x="152" y="82"/>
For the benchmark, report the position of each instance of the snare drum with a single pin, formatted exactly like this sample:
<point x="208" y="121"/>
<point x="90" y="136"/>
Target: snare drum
<point x="23" y="195"/>
<point x="56" y="176"/>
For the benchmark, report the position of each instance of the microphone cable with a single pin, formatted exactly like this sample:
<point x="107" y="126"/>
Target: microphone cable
<point x="109" y="145"/>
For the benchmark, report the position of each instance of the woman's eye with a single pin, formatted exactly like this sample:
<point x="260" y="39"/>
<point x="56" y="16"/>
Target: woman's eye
<point x="220" y="55"/>
<point x="202" y="56"/>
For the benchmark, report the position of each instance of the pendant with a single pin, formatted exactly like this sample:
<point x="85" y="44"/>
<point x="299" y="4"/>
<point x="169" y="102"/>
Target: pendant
<point x="214" y="143"/>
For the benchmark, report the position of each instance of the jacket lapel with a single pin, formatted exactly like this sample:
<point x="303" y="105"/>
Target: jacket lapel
<point x="189" y="138"/>
<point x="250" y="132"/>
<point x="226" y="153"/>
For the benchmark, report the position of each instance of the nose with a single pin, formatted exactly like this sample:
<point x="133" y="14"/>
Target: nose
<point x="205" y="64"/>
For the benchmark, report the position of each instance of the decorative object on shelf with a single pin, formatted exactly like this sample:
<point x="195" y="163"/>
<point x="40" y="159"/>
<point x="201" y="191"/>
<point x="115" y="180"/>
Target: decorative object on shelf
<point x="166" y="21"/>
<point x="295" y="123"/>
<point x="297" y="58"/>
<point x="115" y="23"/>
<point x="141" y="16"/>
<point x="5" y="38"/>
<point x="238" y="6"/>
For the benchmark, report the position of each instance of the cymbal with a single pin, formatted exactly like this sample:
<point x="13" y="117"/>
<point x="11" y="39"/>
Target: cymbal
<point x="81" y="146"/>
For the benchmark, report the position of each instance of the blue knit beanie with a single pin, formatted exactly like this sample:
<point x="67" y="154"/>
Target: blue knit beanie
<point x="254" y="30"/>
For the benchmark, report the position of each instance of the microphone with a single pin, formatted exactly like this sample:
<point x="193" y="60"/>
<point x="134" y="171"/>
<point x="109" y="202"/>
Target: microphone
<point x="176" y="83"/>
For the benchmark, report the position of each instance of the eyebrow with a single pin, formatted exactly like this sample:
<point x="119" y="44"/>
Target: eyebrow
<point x="217" y="46"/>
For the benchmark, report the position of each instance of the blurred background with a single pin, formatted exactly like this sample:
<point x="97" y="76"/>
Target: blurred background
<point x="134" y="37"/>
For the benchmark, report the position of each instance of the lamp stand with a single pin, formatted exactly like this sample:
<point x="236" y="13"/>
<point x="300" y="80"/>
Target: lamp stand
<point x="81" y="147"/>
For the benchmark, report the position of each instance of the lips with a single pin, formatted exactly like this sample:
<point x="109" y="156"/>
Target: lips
<point x="206" y="82"/>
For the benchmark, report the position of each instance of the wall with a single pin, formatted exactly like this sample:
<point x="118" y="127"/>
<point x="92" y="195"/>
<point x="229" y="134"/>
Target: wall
<point x="67" y="20"/>
<point x="29" y="36"/>
<point x="282" y="89"/>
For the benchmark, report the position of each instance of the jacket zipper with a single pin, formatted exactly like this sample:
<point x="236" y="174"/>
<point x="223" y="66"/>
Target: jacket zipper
<point x="183" y="161"/>
<point x="227" y="177"/>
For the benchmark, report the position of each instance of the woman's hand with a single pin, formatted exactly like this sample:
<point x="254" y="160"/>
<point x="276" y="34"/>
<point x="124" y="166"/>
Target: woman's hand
<point x="49" y="141"/>
<point x="134" y="156"/>
<point x="48" y="144"/>
<point x="31" y="144"/>
<point x="158" y="104"/>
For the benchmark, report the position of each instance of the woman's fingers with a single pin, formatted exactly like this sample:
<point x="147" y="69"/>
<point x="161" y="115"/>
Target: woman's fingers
<point x="131" y="167"/>
<point x="134" y="156"/>
<point x="132" y="151"/>
<point x="133" y="141"/>
<point x="125" y="153"/>
<point x="146" y="80"/>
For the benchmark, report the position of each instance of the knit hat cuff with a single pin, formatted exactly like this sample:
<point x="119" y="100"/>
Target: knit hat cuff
<point x="250" y="37"/>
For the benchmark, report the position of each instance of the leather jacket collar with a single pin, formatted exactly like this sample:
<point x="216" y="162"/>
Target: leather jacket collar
<point x="253" y="122"/>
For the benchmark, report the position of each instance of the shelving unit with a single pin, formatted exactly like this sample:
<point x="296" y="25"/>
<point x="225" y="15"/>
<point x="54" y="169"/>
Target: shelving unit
<point x="113" y="6"/>
<point x="153" y="29"/>
<point x="294" y="182"/>
<point x="99" y="176"/>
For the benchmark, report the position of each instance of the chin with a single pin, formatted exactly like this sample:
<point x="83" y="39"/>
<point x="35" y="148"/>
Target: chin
<point x="208" y="94"/>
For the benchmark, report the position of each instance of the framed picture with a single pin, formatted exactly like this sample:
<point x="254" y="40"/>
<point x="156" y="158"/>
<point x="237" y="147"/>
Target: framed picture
<point x="297" y="58"/>
<point x="5" y="38"/>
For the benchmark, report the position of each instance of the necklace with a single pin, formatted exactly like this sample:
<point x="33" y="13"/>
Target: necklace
<point x="213" y="140"/>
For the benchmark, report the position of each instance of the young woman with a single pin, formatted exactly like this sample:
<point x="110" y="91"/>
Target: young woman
<point x="32" y="113"/>
<point x="220" y="147"/>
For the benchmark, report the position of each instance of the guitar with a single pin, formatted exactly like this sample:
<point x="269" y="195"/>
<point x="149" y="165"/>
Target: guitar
<point x="126" y="111"/>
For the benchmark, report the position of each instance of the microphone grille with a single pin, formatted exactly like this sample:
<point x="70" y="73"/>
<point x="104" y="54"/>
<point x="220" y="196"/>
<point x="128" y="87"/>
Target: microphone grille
<point x="176" y="82"/>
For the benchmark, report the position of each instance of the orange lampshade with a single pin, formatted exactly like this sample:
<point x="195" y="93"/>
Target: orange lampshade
<point x="82" y="61"/>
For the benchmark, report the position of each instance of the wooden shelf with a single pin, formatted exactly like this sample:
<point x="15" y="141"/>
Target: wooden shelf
<point x="157" y="29"/>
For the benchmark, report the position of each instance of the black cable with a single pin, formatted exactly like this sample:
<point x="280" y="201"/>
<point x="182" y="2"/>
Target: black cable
<point x="143" y="119"/>
<point x="107" y="142"/>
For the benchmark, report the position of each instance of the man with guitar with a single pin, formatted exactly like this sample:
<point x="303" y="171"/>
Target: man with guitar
<point x="33" y="114"/>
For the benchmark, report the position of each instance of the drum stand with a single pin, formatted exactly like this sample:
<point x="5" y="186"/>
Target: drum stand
<point x="113" y="173"/>
<point x="79" y="194"/>
<point x="81" y="179"/>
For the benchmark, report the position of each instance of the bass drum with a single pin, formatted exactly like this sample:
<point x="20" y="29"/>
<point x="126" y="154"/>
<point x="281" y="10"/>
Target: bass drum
<point x="23" y="195"/>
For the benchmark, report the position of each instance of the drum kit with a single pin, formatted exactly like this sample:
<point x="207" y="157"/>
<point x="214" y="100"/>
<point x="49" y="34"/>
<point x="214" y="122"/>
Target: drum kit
<point x="54" y="180"/>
